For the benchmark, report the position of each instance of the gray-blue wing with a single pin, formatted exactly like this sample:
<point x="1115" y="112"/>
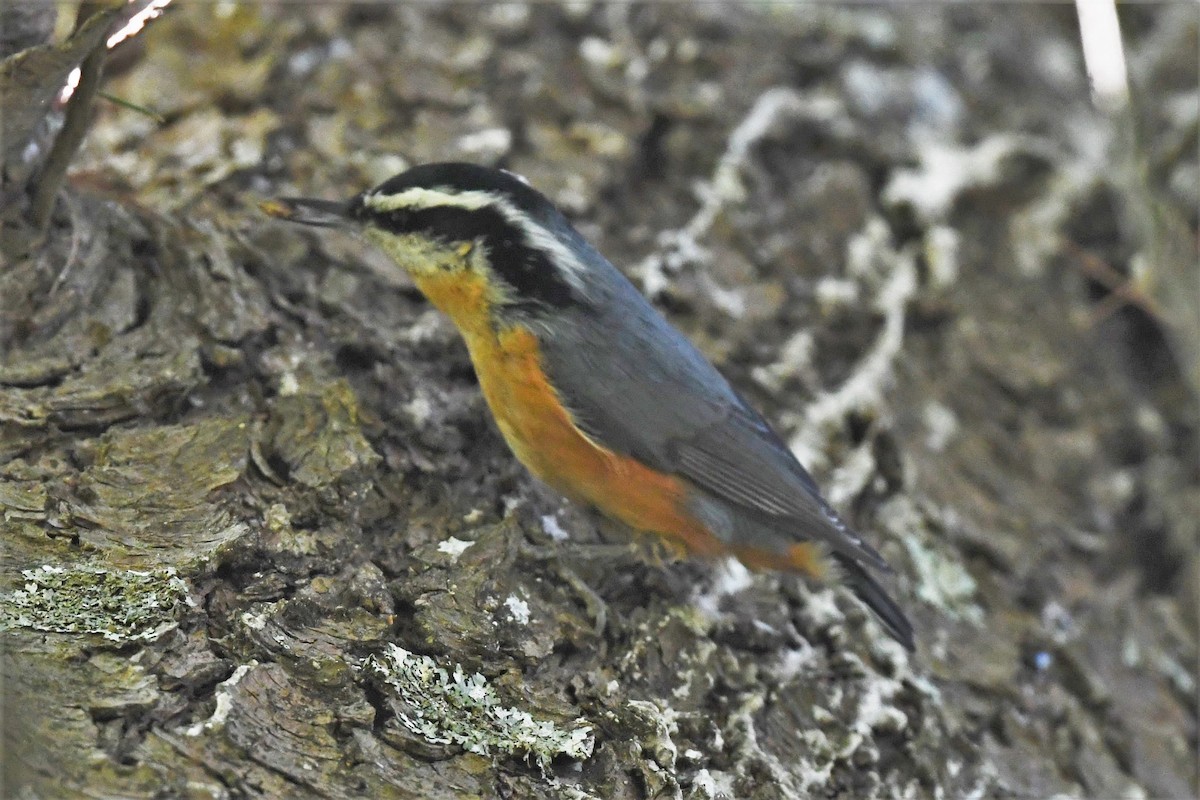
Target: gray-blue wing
<point x="639" y="388"/>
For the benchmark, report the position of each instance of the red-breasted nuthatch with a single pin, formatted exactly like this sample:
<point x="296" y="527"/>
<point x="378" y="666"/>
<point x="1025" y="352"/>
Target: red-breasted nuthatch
<point x="591" y="387"/>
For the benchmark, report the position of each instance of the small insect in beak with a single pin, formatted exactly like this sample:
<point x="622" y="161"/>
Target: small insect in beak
<point x="309" y="211"/>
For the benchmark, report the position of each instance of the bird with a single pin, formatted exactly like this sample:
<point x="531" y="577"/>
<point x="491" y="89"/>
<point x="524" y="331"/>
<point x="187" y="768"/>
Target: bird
<point x="593" y="390"/>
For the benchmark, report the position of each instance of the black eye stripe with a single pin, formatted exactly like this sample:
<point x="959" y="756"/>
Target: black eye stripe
<point x="528" y="270"/>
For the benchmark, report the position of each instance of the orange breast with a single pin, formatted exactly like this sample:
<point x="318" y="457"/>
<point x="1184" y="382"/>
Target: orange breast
<point x="541" y="434"/>
<point x="540" y="431"/>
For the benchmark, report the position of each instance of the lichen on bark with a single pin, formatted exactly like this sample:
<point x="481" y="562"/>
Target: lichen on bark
<point x="896" y="231"/>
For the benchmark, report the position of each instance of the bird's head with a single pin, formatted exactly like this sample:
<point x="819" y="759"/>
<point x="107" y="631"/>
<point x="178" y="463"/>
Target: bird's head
<point x="437" y="221"/>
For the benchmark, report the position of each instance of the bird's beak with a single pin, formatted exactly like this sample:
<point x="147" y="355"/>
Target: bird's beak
<point x="310" y="211"/>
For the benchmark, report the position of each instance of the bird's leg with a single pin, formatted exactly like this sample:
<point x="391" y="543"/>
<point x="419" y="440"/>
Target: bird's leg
<point x="614" y="538"/>
<point x="645" y="548"/>
<point x="597" y="609"/>
<point x="656" y="551"/>
<point x="617" y="544"/>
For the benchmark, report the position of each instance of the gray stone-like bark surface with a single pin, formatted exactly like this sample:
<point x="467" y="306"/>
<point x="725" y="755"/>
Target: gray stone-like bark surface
<point x="259" y="455"/>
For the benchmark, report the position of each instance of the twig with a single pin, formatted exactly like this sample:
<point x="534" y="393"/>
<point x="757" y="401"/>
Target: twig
<point x="75" y="127"/>
<point x="123" y="103"/>
<point x="1123" y="289"/>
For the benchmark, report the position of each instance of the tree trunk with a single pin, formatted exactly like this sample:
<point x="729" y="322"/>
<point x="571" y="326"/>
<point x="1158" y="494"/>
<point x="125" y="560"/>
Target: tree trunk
<point x="260" y="534"/>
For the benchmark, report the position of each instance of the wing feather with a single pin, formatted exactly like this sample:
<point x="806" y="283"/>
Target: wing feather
<point x="639" y="388"/>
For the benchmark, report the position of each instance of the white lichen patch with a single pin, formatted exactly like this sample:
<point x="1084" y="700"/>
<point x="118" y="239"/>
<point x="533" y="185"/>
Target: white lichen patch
<point x="942" y="245"/>
<point x="724" y="189"/>
<point x="941" y="425"/>
<point x="821" y="609"/>
<point x="871" y="258"/>
<point x="518" y="609"/>
<point x="946" y="171"/>
<point x="833" y="293"/>
<point x="796" y="360"/>
<point x="255" y="622"/>
<point x="597" y="52"/>
<point x="943" y="583"/>
<point x="554" y="529"/>
<point x="851" y="476"/>
<point x="488" y="142"/>
<point x="940" y="581"/>
<point x="119" y="604"/>
<point x="795" y="779"/>
<point x="419" y="409"/>
<point x="795" y="662"/>
<point x="289" y="385"/>
<point x="729" y="577"/>
<point x="224" y="698"/>
<point x="454" y="547"/>
<point x="451" y="707"/>
<point x="877" y="710"/>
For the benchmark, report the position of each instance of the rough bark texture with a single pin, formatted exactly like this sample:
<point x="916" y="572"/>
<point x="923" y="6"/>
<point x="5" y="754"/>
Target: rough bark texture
<point x="239" y="462"/>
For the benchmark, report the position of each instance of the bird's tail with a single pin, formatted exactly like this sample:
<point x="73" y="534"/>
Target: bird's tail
<point x="868" y="590"/>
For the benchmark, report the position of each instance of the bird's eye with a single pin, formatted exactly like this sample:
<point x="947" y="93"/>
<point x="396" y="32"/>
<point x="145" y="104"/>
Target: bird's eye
<point x="399" y="219"/>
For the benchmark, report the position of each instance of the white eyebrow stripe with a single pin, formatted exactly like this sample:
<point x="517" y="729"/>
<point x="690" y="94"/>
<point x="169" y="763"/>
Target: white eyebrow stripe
<point x="419" y="198"/>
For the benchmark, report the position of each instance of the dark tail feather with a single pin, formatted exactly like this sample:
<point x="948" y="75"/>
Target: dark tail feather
<point x="872" y="594"/>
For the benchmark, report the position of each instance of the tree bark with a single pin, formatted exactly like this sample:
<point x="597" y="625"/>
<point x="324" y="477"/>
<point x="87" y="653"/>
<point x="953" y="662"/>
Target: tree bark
<point x="261" y="539"/>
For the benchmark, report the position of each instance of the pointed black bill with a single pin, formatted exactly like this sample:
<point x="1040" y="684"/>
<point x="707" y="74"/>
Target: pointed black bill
<point x="310" y="211"/>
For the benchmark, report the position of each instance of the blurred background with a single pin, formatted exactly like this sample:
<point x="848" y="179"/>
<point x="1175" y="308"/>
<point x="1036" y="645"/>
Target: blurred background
<point x="960" y="277"/>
